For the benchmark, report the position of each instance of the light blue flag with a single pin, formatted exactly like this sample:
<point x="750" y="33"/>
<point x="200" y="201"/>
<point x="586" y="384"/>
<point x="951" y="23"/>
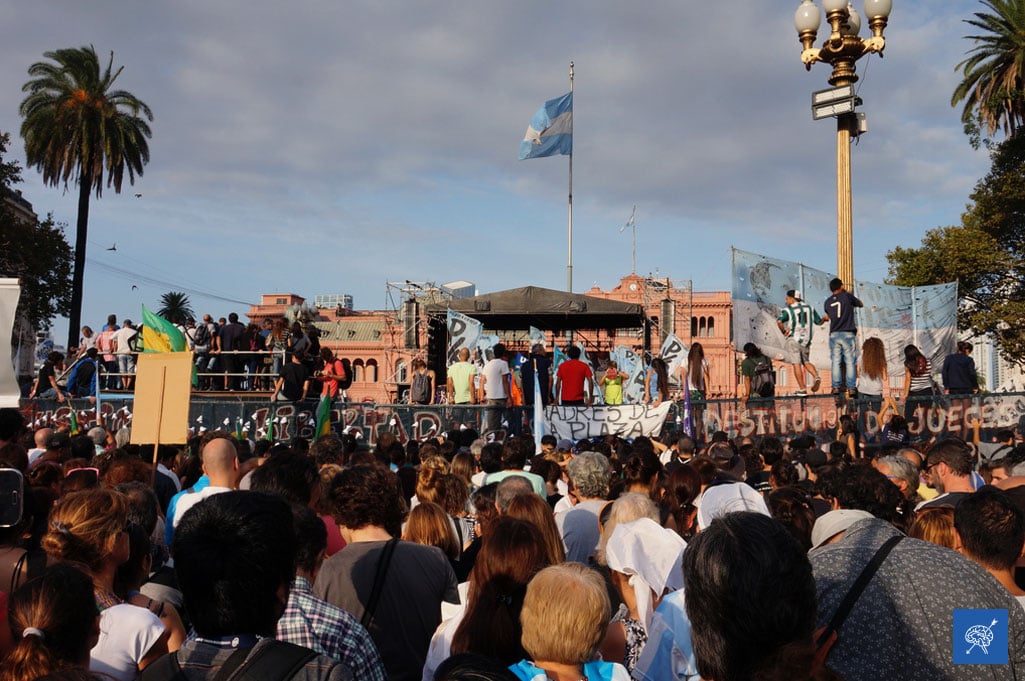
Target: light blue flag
<point x="558" y="357"/>
<point x="537" y="337"/>
<point x="539" y="413"/>
<point x="551" y="130"/>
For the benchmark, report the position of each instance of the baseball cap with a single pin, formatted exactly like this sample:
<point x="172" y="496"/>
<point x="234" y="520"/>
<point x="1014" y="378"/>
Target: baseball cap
<point x="722" y="499"/>
<point x="833" y="523"/>
<point x="565" y="445"/>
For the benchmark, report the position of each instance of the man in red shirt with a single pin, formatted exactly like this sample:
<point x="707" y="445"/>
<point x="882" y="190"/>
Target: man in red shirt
<point x="571" y="379"/>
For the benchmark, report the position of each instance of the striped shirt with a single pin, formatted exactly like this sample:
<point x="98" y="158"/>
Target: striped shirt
<point x="798" y="318"/>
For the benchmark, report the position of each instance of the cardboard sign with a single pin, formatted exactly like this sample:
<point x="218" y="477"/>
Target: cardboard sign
<point x="163" y="386"/>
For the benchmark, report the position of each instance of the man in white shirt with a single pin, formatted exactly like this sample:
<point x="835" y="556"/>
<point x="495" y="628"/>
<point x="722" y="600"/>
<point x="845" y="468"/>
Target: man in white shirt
<point x="494" y="388"/>
<point x="123" y="342"/>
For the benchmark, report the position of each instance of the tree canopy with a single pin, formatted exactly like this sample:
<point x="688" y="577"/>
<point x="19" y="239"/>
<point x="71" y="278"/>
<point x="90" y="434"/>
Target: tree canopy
<point x="35" y="252"/>
<point x="175" y="307"/>
<point x="77" y="127"/>
<point x="985" y="254"/>
<point x="992" y="87"/>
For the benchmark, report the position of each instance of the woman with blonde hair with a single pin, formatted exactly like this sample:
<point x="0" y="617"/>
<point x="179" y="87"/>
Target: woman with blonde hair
<point x="429" y="485"/>
<point x="564" y="616"/>
<point x="535" y="510"/>
<point x="54" y="623"/>
<point x="88" y="528"/>
<point x="934" y="525"/>
<point x="428" y="524"/>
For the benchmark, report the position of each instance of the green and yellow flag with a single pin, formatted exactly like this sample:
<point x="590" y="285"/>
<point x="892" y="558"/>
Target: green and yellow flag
<point x="160" y="335"/>
<point x="323" y="418"/>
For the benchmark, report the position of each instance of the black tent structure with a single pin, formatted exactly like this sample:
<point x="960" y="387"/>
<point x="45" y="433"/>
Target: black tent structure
<point x="519" y="309"/>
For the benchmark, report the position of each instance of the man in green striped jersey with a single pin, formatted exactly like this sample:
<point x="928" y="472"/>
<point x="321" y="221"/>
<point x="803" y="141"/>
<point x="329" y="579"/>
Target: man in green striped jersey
<point x="796" y="321"/>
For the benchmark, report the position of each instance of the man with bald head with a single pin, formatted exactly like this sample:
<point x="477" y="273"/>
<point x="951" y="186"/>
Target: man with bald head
<point x="460" y="379"/>
<point x="40" y="437"/>
<point x="220" y="465"/>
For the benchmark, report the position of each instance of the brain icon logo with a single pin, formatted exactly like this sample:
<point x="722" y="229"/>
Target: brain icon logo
<point x="980" y="636"/>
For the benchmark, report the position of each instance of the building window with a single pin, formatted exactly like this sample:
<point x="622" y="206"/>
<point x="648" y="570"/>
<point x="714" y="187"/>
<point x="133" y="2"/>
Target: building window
<point x="693" y="327"/>
<point x="358" y="374"/>
<point x="400" y="371"/>
<point x="281" y="301"/>
<point x="710" y="328"/>
<point x="372" y="371"/>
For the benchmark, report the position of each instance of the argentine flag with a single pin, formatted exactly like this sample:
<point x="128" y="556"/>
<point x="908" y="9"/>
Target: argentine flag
<point x="551" y="130"/>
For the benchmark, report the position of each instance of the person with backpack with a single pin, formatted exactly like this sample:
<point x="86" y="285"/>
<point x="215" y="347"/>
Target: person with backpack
<point x="759" y="376"/>
<point x="235" y="557"/>
<point x="202" y="337"/>
<point x="333" y="374"/>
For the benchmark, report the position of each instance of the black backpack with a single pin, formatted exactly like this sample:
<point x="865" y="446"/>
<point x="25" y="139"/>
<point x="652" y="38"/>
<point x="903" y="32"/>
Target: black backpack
<point x="201" y="338"/>
<point x="763" y="383"/>
<point x="275" y="661"/>
<point x="345" y="383"/>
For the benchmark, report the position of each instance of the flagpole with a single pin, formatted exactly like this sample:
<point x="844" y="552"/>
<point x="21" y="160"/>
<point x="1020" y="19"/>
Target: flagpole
<point x="569" y="254"/>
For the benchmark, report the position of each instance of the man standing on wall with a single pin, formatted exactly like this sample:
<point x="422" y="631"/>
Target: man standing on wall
<point x="843" y="333"/>
<point x="574" y="381"/>
<point x="494" y="387"/>
<point x="795" y="321"/>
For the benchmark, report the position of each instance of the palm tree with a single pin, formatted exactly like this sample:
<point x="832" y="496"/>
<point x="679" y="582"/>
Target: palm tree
<point x="76" y="127"/>
<point x="992" y="88"/>
<point x="175" y="307"/>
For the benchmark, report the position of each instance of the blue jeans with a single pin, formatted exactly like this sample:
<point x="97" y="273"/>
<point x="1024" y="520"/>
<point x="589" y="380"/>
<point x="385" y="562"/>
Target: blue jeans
<point x="842" y="351"/>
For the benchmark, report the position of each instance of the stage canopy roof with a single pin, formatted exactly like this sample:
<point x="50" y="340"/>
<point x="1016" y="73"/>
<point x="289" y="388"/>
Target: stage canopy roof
<point x="547" y="309"/>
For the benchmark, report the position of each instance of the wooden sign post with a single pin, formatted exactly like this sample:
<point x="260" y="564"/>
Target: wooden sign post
<point x="163" y="385"/>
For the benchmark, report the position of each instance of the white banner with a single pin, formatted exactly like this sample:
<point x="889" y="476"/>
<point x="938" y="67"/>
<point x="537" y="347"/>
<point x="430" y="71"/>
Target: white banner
<point x="463" y="332"/>
<point x="626" y="420"/>
<point x="898" y="315"/>
<point x="673" y="353"/>
<point x="10" y="291"/>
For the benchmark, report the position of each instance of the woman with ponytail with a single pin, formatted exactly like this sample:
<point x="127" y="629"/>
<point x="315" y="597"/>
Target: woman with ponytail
<point x="54" y="623"/>
<point x="90" y="529"/>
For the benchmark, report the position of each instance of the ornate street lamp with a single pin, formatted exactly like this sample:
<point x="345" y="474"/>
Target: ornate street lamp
<point x="841" y="50"/>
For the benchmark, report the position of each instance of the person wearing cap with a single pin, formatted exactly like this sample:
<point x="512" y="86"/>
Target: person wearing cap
<point x="796" y="321"/>
<point x="899" y="628"/>
<point x="843" y="334"/>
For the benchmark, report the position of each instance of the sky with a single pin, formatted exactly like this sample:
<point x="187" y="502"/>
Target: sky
<point x="320" y="147"/>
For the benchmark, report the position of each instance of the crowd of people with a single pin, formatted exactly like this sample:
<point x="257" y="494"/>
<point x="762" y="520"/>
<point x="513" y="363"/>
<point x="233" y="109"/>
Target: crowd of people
<point x="459" y="558"/>
<point x="229" y="356"/>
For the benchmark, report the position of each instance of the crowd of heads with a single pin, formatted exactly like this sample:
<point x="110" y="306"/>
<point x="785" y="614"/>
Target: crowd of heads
<point x="751" y="510"/>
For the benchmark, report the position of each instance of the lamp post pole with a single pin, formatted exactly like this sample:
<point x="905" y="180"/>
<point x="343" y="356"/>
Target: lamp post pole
<point x="841" y="50"/>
